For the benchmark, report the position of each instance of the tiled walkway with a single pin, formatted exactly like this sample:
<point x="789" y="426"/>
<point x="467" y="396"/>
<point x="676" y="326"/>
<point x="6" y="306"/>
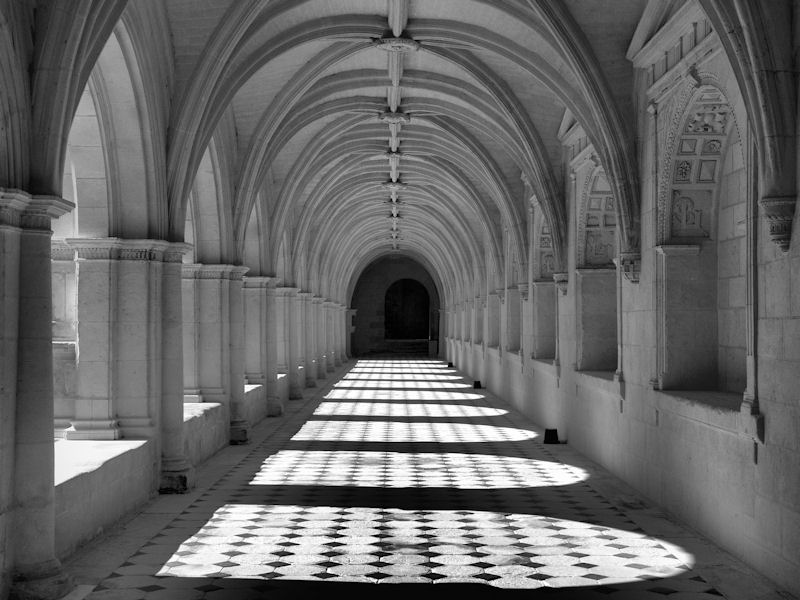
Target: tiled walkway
<point x="403" y="476"/>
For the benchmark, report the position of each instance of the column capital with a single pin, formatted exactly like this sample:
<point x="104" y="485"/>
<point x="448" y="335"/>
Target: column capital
<point x="238" y="272"/>
<point x="20" y="209"/>
<point x="305" y="296"/>
<point x="259" y="281"/>
<point x="287" y="291"/>
<point x="215" y="271"/>
<point x="318" y="300"/>
<point x="41" y="210"/>
<point x="12" y="203"/>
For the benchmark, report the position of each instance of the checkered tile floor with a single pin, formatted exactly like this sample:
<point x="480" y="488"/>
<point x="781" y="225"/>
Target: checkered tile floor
<point x="403" y="474"/>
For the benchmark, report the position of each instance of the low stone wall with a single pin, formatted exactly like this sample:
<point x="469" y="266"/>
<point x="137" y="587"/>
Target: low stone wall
<point x="206" y="430"/>
<point x="97" y="484"/>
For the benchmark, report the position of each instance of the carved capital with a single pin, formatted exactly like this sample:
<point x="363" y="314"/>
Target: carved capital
<point x="523" y="290"/>
<point x="780" y="213"/>
<point x="41" y="210"/>
<point x="12" y="203"/>
<point x="238" y="271"/>
<point x="175" y="252"/>
<point x="561" y="280"/>
<point x="256" y="282"/>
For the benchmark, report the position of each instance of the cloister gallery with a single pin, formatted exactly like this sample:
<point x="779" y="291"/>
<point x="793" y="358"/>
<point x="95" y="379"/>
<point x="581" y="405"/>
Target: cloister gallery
<point x="293" y="292"/>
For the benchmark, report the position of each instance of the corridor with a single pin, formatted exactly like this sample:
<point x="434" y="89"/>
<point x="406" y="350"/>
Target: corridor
<point x="399" y="473"/>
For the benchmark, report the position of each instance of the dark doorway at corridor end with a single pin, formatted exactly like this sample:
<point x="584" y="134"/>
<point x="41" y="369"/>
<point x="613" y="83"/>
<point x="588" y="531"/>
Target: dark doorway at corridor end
<point x="397" y="306"/>
<point x="407" y="311"/>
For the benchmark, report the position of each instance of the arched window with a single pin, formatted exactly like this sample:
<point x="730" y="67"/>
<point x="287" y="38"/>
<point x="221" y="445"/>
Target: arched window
<point x="702" y="237"/>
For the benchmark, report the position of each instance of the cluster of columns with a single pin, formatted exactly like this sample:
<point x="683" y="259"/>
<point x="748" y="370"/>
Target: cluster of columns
<point x="252" y="329"/>
<point x="519" y="319"/>
<point x="150" y="333"/>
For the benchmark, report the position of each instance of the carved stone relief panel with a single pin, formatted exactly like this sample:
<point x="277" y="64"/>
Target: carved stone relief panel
<point x="697" y="138"/>
<point x="597" y="228"/>
<point x="546" y="257"/>
<point x="691" y="213"/>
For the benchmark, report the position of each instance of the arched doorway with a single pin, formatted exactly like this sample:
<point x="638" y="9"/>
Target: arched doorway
<point x="407" y="311"/>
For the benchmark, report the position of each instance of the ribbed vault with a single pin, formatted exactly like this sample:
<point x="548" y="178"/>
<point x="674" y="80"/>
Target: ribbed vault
<point x="400" y="126"/>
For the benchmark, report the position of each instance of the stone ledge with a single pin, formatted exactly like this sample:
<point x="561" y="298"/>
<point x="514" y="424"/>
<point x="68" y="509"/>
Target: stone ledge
<point x="719" y="410"/>
<point x="602" y="380"/>
<point x="544" y="365"/>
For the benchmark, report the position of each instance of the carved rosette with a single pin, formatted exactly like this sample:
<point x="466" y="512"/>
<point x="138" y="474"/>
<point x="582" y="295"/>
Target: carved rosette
<point x="779" y="213"/>
<point x="394" y="186"/>
<point x="396" y="44"/>
<point x="394" y="117"/>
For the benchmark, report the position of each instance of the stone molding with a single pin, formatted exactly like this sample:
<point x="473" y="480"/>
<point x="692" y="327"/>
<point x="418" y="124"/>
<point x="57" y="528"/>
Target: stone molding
<point x="561" y="281"/>
<point x="524" y="289"/>
<point x="259" y="282"/>
<point x="288" y="292"/>
<point x="21" y="209"/>
<point x="123" y="249"/>
<point x="60" y="250"/>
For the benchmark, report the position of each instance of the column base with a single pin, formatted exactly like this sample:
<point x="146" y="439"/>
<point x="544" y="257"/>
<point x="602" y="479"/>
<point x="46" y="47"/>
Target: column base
<point x="177" y="476"/>
<point x="239" y="433"/>
<point x="295" y="392"/>
<point x="93" y="430"/>
<point x="274" y="407"/>
<point x="310" y="382"/>
<point x="47" y="582"/>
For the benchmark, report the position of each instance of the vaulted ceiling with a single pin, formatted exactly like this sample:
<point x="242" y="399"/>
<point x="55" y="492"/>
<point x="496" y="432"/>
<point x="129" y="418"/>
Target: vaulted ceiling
<point x="424" y="127"/>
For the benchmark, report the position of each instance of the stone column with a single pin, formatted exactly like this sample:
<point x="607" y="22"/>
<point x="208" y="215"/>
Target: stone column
<point x="294" y="342"/>
<point x="337" y="334"/>
<point x="214" y="332"/>
<point x="255" y="328"/>
<point x="308" y="339"/>
<point x="177" y="474"/>
<point x="98" y="289"/>
<point x="191" y="335"/>
<point x="11" y="204"/>
<point x="240" y="419"/>
<point x="330" y="354"/>
<point x="274" y="403"/>
<point x="299" y="339"/>
<point x="351" y="316"/>
<point x="37" y="572"/>
<point x="319" y="336"/>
